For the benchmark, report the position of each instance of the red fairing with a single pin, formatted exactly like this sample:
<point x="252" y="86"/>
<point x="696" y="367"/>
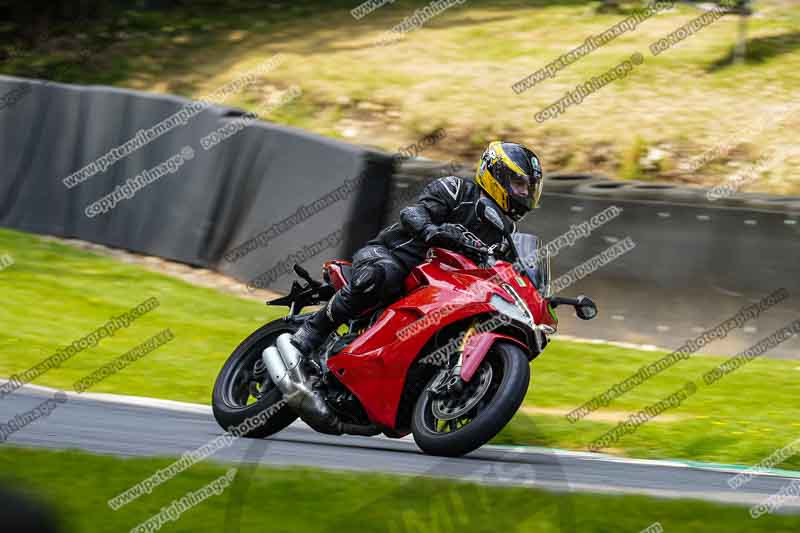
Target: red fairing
<point x="451" y="259"/>
<point x="476" y="349"/>
<point x="447" y="289"/>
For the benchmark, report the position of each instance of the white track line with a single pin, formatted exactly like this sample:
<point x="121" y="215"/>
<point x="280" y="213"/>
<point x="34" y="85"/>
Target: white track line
<point x="138" y="401"/>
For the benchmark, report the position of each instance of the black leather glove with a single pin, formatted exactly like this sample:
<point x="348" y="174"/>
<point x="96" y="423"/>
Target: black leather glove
<point x="453" y="237"/>
<point x="444" y="236"/>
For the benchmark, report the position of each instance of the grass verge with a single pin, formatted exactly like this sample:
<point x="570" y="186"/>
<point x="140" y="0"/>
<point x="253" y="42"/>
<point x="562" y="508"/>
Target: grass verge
<point x="78" y="486"/>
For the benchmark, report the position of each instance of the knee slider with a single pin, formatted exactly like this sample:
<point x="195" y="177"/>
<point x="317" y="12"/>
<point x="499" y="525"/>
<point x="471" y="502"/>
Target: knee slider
<point x="367" y="281"/>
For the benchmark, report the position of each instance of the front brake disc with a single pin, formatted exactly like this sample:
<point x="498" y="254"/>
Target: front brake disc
<point x="453" y="407"/>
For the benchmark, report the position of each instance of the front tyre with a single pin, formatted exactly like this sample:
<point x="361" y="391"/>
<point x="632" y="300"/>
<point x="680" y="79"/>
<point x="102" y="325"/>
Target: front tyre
<point x="244" y="389"/>
<point x="458" y="424"/>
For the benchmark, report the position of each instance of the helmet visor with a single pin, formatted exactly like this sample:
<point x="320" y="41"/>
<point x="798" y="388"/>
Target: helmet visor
<point x="523" y="188"/>
<point x="520" y="186"/>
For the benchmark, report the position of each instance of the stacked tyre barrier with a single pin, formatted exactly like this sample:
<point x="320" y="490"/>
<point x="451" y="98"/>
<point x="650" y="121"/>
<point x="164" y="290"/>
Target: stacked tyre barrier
<point x="695" y="262"/>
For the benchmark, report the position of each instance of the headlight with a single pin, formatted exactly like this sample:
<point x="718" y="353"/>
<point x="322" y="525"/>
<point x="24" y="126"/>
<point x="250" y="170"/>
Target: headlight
<point x="508" y="309"/>
<point x="517" y="311"/>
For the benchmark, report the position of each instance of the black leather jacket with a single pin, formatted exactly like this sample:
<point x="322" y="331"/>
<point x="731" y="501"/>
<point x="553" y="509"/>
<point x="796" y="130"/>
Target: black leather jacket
<point x="447" y="200"/>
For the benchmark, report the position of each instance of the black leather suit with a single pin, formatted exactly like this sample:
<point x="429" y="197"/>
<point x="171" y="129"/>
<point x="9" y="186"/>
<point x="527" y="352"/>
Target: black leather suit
<point x="380" y="268"/>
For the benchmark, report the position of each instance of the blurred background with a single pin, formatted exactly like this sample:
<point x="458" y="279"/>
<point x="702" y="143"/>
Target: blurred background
<point x="697" y="145"/>
<point x="728" y="83"/>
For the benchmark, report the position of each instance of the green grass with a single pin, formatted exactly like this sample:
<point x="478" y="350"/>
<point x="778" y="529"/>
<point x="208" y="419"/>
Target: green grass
<point x="54" y="294"/>
<point x="299" y="499"/>
<point x="742" y="418"/>
<point x="456" y="72"/>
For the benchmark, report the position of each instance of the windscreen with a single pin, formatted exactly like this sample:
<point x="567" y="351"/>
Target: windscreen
<point x="533" y="261"/>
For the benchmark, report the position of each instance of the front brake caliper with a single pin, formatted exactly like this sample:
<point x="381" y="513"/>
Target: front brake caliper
<point x="446" y="384"/>
<point x="438" y="388"/>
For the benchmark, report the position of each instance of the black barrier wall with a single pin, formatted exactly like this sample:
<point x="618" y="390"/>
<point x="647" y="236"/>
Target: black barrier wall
<point x="310" y="198"/>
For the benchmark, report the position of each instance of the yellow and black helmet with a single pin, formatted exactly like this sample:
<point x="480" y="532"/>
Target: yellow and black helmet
<point x="511" y="175"/>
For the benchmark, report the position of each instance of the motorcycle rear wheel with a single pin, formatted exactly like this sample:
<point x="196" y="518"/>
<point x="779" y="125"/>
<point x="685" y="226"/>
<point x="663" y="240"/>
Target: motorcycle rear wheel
<point x="243" y="390"/>
<point x="508" y="370"/>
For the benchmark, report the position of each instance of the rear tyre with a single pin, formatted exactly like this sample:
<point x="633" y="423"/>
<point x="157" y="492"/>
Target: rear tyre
<point x="244" y="389"/>
<point x="454" y="426"/>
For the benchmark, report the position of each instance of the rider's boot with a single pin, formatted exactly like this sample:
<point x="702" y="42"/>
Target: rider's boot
<point x="313" y="332"/>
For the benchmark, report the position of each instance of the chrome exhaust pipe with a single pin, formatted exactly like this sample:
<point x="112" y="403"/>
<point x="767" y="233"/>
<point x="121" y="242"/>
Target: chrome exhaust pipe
<point x="286" y="371"/>
<point x="278" y="372"/>
<point x="283" y="364"/>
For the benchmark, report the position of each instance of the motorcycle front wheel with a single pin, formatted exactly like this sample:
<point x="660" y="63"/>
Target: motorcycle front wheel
<point x="459" y="423"/>
<point x="244" y="390"/>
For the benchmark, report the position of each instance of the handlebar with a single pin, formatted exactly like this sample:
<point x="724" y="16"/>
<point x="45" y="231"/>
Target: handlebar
<point x="482" y="251"/>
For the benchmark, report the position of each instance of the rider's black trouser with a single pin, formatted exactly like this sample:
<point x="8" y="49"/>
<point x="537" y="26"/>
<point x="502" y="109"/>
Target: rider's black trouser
<point x="377" y="279"/>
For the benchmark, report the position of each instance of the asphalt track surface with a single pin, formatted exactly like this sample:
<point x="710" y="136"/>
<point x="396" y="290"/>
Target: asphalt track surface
<point x="129" y="427"/>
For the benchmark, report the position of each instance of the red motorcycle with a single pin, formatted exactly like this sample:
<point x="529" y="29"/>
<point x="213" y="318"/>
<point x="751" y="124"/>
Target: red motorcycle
<point x="448" y="362"/>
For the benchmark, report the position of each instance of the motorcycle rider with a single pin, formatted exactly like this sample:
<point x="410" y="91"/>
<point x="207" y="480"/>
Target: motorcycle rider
<point x="508" y="173"/>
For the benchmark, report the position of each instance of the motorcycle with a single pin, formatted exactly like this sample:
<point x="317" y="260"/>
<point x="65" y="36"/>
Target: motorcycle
<point x="448" y="362"/>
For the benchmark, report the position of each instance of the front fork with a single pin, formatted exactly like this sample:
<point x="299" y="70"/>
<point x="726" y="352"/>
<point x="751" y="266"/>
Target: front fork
<point x="450" y="380"/>
<point x="472" y="350"/>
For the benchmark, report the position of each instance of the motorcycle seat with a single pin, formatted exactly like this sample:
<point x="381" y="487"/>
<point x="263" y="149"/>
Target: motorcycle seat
<point x="347" y="272"/>
<point x="337" y="273"/>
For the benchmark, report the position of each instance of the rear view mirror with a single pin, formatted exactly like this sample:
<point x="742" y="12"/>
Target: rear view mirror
<point x="585" y="308"/>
